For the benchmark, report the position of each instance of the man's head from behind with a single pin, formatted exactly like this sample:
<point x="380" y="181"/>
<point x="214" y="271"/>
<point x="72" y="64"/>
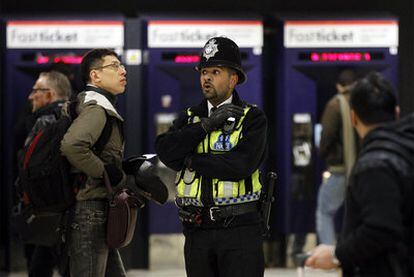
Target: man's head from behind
<point x="373" y="102"/>
<point x="102" y="68"/>
<point x="220" y="69"/>
<point x="346" y="80"/>
<point x="49" y="87"/>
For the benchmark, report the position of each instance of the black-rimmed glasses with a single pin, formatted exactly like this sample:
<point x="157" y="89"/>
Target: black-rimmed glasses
<point x="113" y="66"/>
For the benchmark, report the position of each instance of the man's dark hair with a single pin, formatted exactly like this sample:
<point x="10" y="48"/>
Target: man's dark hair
<point x="347" y="77"/>
<point x="93" y="59"/>
<point x="373" y="99"/>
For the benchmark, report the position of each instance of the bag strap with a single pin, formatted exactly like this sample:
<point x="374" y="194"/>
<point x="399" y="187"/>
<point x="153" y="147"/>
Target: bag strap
<point x="105" y="134"/>
<point x="108" y="184"/>
<point x="348" y="136"/>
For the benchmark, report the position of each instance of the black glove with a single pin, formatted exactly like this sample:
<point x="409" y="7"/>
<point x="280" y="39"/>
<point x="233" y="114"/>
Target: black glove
<point x="220" y="116"/>
<point x="114" y="173"/>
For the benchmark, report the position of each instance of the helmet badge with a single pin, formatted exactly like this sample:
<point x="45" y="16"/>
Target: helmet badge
<point x="210" y="49"/>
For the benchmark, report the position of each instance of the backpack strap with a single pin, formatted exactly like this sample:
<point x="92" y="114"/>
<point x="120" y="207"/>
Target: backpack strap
<point x="73" y="104"/>
<point x="105" y="134"/>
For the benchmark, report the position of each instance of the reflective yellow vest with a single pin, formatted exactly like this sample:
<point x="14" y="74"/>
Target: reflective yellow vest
<point x="225" y="192"/>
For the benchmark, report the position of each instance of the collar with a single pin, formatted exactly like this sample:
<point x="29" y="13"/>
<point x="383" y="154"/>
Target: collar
<point x="201" y="109"/>
<point x="111" y="98"/>
<point x="92" y="95"/>
<point x="227" y="101"/>
<point x="52" y="108"/>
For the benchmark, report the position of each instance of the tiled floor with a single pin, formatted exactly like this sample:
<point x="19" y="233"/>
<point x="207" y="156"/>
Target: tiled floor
<point x="181" y="273"/>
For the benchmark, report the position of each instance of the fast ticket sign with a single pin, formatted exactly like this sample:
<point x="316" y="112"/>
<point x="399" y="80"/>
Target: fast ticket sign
<point x="67" y="34"/>
<point x="341" y="33"/>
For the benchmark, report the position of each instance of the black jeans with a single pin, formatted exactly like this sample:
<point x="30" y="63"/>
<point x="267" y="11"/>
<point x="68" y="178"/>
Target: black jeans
<point x="224" y="252"/>
<point x="88" y="251"/>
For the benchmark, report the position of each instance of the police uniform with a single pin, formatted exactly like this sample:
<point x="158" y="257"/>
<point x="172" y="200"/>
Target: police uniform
<point x="218" y="185"/>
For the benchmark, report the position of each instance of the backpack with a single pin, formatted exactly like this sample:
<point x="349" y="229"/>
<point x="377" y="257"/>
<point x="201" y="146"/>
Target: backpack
<point x="46" y="182"/>
<point x="407" y="192"/>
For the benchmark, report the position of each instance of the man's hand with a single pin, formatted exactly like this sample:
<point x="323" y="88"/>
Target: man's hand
<point x="322" y="257"/>
<point x="219" y="117"/>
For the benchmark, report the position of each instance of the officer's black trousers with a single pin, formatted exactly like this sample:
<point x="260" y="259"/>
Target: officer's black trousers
<point x="224" y="252"/>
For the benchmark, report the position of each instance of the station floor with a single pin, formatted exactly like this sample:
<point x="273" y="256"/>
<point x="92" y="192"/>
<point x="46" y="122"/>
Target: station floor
<point x="173" y="265"/>
<point x="181" y="273"/>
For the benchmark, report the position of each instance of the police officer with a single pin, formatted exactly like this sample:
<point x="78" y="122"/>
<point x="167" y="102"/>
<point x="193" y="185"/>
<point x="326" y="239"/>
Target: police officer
<point x="217" y="148"/>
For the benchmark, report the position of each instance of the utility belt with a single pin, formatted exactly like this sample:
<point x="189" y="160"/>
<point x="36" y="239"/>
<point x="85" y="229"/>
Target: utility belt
<point x="216" y="215"/>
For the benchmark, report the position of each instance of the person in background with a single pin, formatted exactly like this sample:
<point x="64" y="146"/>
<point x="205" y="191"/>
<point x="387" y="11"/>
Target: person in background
<point x="377" y="233"/>
<point x="338" y="147"/>
<point x="48" y="95"/>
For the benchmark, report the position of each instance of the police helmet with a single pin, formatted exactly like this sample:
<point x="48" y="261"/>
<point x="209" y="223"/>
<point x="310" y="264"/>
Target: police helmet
<point x="222" y="51"/>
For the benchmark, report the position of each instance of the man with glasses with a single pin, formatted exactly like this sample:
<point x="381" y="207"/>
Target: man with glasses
<point x="48" y="95"/>
<point x="105" y="78"/>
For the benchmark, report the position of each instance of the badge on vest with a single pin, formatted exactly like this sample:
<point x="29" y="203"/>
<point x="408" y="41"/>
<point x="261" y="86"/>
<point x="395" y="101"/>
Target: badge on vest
<point x="223" y="143"/>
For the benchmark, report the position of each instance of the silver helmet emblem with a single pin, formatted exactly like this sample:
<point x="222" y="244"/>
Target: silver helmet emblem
<point x="210" y="49"/>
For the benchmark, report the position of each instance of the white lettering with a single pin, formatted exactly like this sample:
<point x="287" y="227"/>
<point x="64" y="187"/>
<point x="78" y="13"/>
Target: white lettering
<point x="320" y="36"/>
<point x="68" y="35"/>
<point x="196" y="34"/>
<point x="44" y="36"/>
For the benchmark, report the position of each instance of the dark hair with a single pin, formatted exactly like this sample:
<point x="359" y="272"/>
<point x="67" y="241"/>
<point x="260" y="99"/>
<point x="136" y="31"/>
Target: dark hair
<point x="347" y="77"/>
<point x="93" y="59"/>
<point x="373" y="99"/>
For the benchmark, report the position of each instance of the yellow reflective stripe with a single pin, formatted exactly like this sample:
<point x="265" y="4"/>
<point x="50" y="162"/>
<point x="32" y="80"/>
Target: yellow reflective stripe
<point x="256" y="181"/>
<point x="189" y="190"/>
<point x="180" y="189"/>
<point x="242" y="189"/>
<point x="203" y="145"/>
<point x="226" y="189"/>
<point x="246" y="110"/>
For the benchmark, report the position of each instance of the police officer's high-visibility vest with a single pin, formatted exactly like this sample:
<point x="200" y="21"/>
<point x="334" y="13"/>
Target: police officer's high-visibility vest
<point x="225" y="192"/>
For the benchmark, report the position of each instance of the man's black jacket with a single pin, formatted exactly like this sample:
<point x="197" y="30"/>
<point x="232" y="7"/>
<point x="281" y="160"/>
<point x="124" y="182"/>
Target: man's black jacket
<point x="377" y="234"/>
<point x="44" y="116"/>
<point x="182" y="139"/>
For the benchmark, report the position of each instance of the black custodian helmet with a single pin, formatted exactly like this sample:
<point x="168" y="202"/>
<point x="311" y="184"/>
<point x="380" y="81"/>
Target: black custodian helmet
<point x="222" y="51"/>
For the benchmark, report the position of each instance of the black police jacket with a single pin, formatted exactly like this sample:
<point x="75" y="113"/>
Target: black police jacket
<point x="377" y="232"/>
<point x="182" y="139"/>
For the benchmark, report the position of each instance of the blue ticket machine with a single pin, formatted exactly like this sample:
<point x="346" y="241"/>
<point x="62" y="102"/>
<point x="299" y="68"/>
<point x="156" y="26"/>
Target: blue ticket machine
<point x="33" y="46"/>
<point x="309" y="57"/>
<point x="172" y="83"/>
